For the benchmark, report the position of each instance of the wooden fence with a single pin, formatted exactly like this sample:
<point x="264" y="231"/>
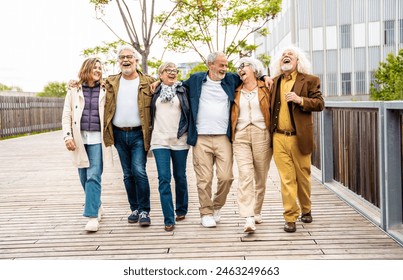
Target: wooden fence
<point x="22" y="114"/>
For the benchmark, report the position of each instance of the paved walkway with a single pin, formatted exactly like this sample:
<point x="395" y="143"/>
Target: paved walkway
<point x="41" y="204"/>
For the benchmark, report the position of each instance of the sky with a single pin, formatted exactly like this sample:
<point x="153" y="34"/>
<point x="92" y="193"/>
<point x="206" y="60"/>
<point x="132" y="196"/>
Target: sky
<point x="42" y="40"/>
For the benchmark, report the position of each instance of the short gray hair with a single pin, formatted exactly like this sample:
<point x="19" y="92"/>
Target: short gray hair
<point x="129" y="48"/>
<point x="255" y="64"/>
<point x="211" y="58"/>
<point x="164" y="66"/>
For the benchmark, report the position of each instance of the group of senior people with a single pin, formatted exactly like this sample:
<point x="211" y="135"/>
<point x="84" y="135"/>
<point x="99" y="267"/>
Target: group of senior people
<point x="222" y="115"/>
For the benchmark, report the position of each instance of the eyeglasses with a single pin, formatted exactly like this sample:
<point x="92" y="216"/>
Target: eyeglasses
<point x="171" y="71"/>
<point x="240" y="67"/>
<point x="123" y="57"/>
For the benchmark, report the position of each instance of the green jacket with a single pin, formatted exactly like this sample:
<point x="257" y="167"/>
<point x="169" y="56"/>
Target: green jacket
<point x="144" y="101"/>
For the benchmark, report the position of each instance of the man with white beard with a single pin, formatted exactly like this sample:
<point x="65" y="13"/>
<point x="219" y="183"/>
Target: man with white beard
<point x="295" y="94"/>
<point x="211" y="95"/>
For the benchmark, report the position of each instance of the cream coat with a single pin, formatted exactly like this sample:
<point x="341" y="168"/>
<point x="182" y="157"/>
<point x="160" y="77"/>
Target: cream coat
<point x="71" y="125"/>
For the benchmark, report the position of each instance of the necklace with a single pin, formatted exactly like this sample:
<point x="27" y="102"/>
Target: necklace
<point x="246" y="89"/>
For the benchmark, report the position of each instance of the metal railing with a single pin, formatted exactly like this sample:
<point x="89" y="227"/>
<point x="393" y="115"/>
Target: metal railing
<point x="359" y="148"/>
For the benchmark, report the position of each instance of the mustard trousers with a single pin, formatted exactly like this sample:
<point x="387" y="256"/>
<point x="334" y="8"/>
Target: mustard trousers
<point x="295" y="174"/>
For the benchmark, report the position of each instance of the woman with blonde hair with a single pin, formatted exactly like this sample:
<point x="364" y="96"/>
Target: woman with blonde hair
<point x="82" y="124"/>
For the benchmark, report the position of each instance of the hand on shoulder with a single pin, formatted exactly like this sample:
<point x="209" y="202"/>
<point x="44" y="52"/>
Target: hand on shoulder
<point x="72" y="84"/>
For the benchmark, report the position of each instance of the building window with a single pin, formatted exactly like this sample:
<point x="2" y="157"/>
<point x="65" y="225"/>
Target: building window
<point x="360" y="83"/>
<point x="331" y="12"/>
<point x="389" y="32"/>
<point x="331" y="84"/>
<point x="345" y="83"/>
<point x="345" y="36"/>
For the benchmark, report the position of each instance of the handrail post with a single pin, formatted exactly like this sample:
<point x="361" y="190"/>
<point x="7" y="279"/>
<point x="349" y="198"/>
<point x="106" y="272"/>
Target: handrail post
<point x="326" y="144"/>
<point x="381" y="155"/>
<point x="392" y="201"/>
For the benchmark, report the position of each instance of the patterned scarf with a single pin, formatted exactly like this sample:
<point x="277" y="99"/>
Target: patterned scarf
<point x="168" y="92"/>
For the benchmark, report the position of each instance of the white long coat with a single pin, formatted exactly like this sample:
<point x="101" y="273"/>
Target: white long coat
<point x="71" y="126"/>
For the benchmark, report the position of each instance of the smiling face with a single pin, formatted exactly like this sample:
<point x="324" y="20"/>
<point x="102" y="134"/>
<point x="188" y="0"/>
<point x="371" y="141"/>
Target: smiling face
<point x="218" y="68"/>
<point x="96" y="74"/>
<point x="169" y="75"/>
<point x="288" y="62"/>
<point x="128" y="63"/>
<point x="246" y="72"/>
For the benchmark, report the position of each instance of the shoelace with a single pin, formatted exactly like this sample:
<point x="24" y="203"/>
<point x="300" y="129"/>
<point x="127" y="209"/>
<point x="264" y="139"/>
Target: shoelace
<point x="143" y="215"/>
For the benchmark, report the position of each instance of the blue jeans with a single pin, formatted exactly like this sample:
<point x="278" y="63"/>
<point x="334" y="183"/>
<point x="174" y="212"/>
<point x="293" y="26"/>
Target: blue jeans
<point x="163" y="161"/>
<point x="133" y="158"/>
<point x="90" y="179"/>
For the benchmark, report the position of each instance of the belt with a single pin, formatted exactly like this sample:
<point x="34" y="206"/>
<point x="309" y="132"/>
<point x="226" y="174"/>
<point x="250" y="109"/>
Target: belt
<point x="287" y="133"/>
<point x="128" y="128"/>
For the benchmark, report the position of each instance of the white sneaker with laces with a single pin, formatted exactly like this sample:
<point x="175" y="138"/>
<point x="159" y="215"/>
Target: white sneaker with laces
<point x="258" y="219"/>
<point x="100" y="213"/>
<point x="208" y="221"/>
<point x="217" y="215"/>
<point x="249" y="226"/>
<point x="92" y="224"/>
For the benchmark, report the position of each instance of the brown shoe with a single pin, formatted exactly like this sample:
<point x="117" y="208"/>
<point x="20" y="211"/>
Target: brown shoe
<point x="306" y="218"/>
<point x="290" y="227"/>
<point x="169" y="227"/>
<point x="180" y="218"/>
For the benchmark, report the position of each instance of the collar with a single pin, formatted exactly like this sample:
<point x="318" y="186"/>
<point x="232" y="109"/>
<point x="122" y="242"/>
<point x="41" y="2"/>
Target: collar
<point x="292" y="76"/>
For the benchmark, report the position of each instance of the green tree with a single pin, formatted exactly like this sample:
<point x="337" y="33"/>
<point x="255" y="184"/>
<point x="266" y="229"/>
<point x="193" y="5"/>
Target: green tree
<point x="218" y="25"/>
<point x="388" y="83"/>
<point x="4" y="87"/>
<point x="107" y="52"/>
<point x="54" y="89"/>
<point x="201" y="67"/>
<point x="138" y="22"/>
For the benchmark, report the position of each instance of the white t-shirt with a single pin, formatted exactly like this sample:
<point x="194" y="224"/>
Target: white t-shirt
<point x="214" y="109"/>
<point x="127" y="108"/>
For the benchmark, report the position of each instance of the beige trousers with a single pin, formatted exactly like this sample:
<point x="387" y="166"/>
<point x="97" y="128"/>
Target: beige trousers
<point x="210" y="150"/>
<point x="253" y="155"/>
<point x="295" y="174"/>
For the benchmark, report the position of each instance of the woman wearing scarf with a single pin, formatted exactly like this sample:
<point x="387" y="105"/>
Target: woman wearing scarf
<point x="170" y="120"/>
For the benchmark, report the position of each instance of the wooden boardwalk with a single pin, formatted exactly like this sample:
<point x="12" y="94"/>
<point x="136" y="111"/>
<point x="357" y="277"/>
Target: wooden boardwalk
<point x="41" y="203"/>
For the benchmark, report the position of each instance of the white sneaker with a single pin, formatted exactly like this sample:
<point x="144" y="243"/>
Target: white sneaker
<point x="100" y="213"/>
<point x="208" y="221"/>
<point x="92" y="225"/>
<point x="217" y="215"/>
<point x="258" y="219"/>
<point x="249" y="226"/>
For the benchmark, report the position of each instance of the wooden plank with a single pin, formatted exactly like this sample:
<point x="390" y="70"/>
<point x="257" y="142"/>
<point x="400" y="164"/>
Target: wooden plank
<point x="41" y="204"/>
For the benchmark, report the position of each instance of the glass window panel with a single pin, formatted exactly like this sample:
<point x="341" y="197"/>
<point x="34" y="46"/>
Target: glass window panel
<point x="345" y="36"/>
<point x="331" y="12"/>
<point x="374" y="10"/>
<point x="389" y="32"/>
<point x="346" y="83"/>
<point x="359" y="11"/>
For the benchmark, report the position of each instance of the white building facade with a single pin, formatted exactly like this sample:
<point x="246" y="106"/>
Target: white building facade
<point x="345" y="40"/>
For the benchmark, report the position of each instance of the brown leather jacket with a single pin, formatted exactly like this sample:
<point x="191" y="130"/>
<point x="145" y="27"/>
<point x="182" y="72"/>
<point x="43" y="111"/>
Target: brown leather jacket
<point x="144" y="101"/>
<point x="308" y="87"/>
<point x="264" y="101"/>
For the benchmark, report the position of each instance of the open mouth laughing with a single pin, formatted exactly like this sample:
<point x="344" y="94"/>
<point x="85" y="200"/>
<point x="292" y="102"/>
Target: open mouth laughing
<point x="286" y="60"/>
